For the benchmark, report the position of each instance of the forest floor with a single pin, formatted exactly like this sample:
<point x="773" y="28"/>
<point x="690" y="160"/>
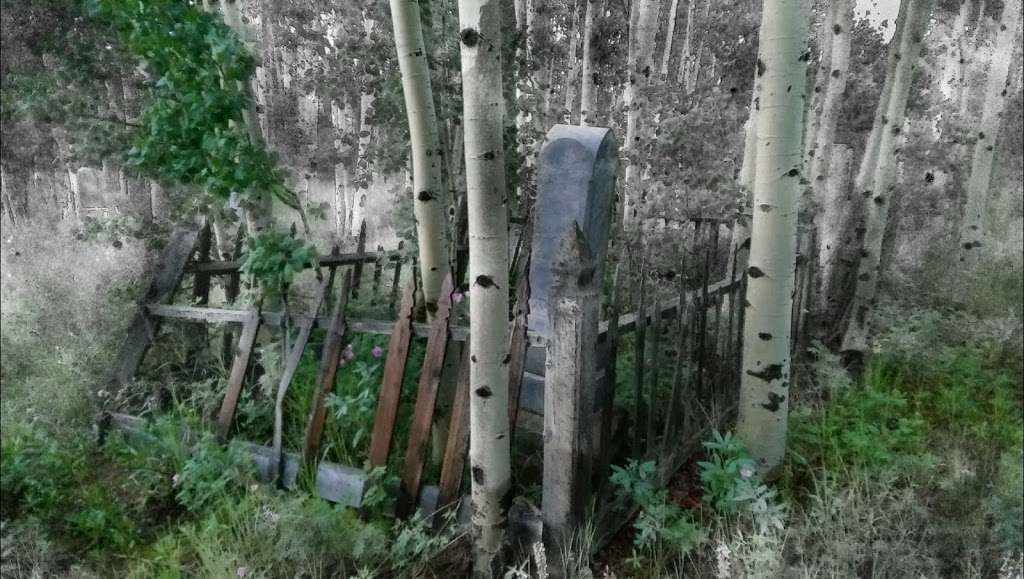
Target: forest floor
<point x="913" y="469"/>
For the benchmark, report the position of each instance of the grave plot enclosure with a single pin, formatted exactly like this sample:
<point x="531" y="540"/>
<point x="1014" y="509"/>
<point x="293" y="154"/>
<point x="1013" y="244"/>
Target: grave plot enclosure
<point x="623" y="355"/>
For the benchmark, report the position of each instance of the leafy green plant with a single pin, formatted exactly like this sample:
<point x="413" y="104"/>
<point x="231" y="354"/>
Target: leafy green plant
<point x="661" y="525"/>
<point x="275" y="258"/>
<point x="728" y="474"/>
<point x="212" y="473"/>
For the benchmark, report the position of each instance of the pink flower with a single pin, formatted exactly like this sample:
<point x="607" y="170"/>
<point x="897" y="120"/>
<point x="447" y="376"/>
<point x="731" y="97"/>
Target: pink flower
<point x="457" y="297"/>
<point x="377" y="351"/>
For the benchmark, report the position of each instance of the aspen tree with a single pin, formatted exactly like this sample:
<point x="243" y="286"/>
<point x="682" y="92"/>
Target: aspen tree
<point x="260" y="219"/>
<point x="973" y="229"/>
<point x="363" y="176"/>
<point x="570" y="113"/>
<point x="869" y="160"/>
<point x="879" y="196"/>
<point x="682" y="73"/>
<point x="838" y="26"/>
<point x="489" y="450"/>
<point x="764" y="385"/>
<point x="669" y="33"/>
<point x="428" y="191"/>
<point x="817" y="93"/>
<point x="640" y="66"/>
<point x="588" y="92"/>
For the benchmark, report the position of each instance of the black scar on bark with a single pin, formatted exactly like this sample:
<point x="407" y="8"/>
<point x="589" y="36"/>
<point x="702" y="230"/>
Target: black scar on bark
<point x="745" y="244"/>
<point x="469" y="36"/>
<point x="483" y="392"/>
<point x="425" y="196"/>
<point x="485" y="282"/>
<point x="864" y="277"/>
<point x="478" y="475"/>
<point x="488" y="155"/>
<point x="836" y="73"/>
<point x="793" y="172"/>
<point x="769" y="374"/>
<point x="473" y="358"/>
<point x="764" y="336"/>
<point x="806" y="56"/>
<point x="774" y="402"/>
<point x="837" y="29"/>
<point x="508" y="358"/>
<point x="761" y="67"/>
<point x="755" y="272"/>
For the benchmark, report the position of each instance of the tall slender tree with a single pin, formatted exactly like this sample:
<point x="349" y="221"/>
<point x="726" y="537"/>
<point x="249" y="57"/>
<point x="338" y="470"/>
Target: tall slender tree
<point x="588" y="91"/>
<point x="483" y="111"/>
<point x="427" y="158"/>
<point x="972" y="231"/>
<point x="764" y="386"/>
<point x="876" y="210"/>
<point x="640" y="67"/>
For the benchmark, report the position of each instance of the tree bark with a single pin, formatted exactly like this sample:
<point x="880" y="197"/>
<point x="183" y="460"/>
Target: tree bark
<point x="832" y="222"/>
<point x="588" y="92"/>
<point x="427" y="158"/>
<point x="818" y="90"/>
<point x="838" y="28"/>
<point x="489" y="450"/>
<point x="879" y="196"/>
<point x="666" y="56"/>
<point x="972" y="232"/>
<point x="570" y="114"/>
<point x="764" y="385"/>
<point x="640" y="66"/>
<point x="869" y="160"/>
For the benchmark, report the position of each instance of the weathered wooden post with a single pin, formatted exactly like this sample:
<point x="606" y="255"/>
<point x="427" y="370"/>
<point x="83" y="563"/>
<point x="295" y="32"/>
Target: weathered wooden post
<point x="569" y="394"/>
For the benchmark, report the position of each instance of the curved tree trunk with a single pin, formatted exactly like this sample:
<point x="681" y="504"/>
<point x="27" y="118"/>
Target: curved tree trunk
<point x="879" y="196"/>
<point x="764" y="385"/>
<point x="428" y="190"/>
<point x="973" y="229"/>
<point x="489" y="450"/>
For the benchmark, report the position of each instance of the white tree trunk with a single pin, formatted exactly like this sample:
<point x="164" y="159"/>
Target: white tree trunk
<point x="831" y="223"/>
<point x="489" y="450"/>
<point x="682" y="74"/>
<point x="588" y="92"/>
<point x="364" y="176"/>
<point x="640" y="67"/>
<point x="869" y="160"/>
<point x="838" y="27"/>
<point x="428" y="190"/>
<point x="972" y="231"/>
<point x="764" y="385"/>
<point x="879" y="196"/>
<point x="666" y="56"/>
<point x="570" y="115"/>
<point x="817" y="94"/>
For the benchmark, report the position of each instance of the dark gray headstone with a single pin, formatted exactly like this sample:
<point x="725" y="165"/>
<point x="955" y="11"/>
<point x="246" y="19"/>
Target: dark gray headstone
<point x="576" y="182"/>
